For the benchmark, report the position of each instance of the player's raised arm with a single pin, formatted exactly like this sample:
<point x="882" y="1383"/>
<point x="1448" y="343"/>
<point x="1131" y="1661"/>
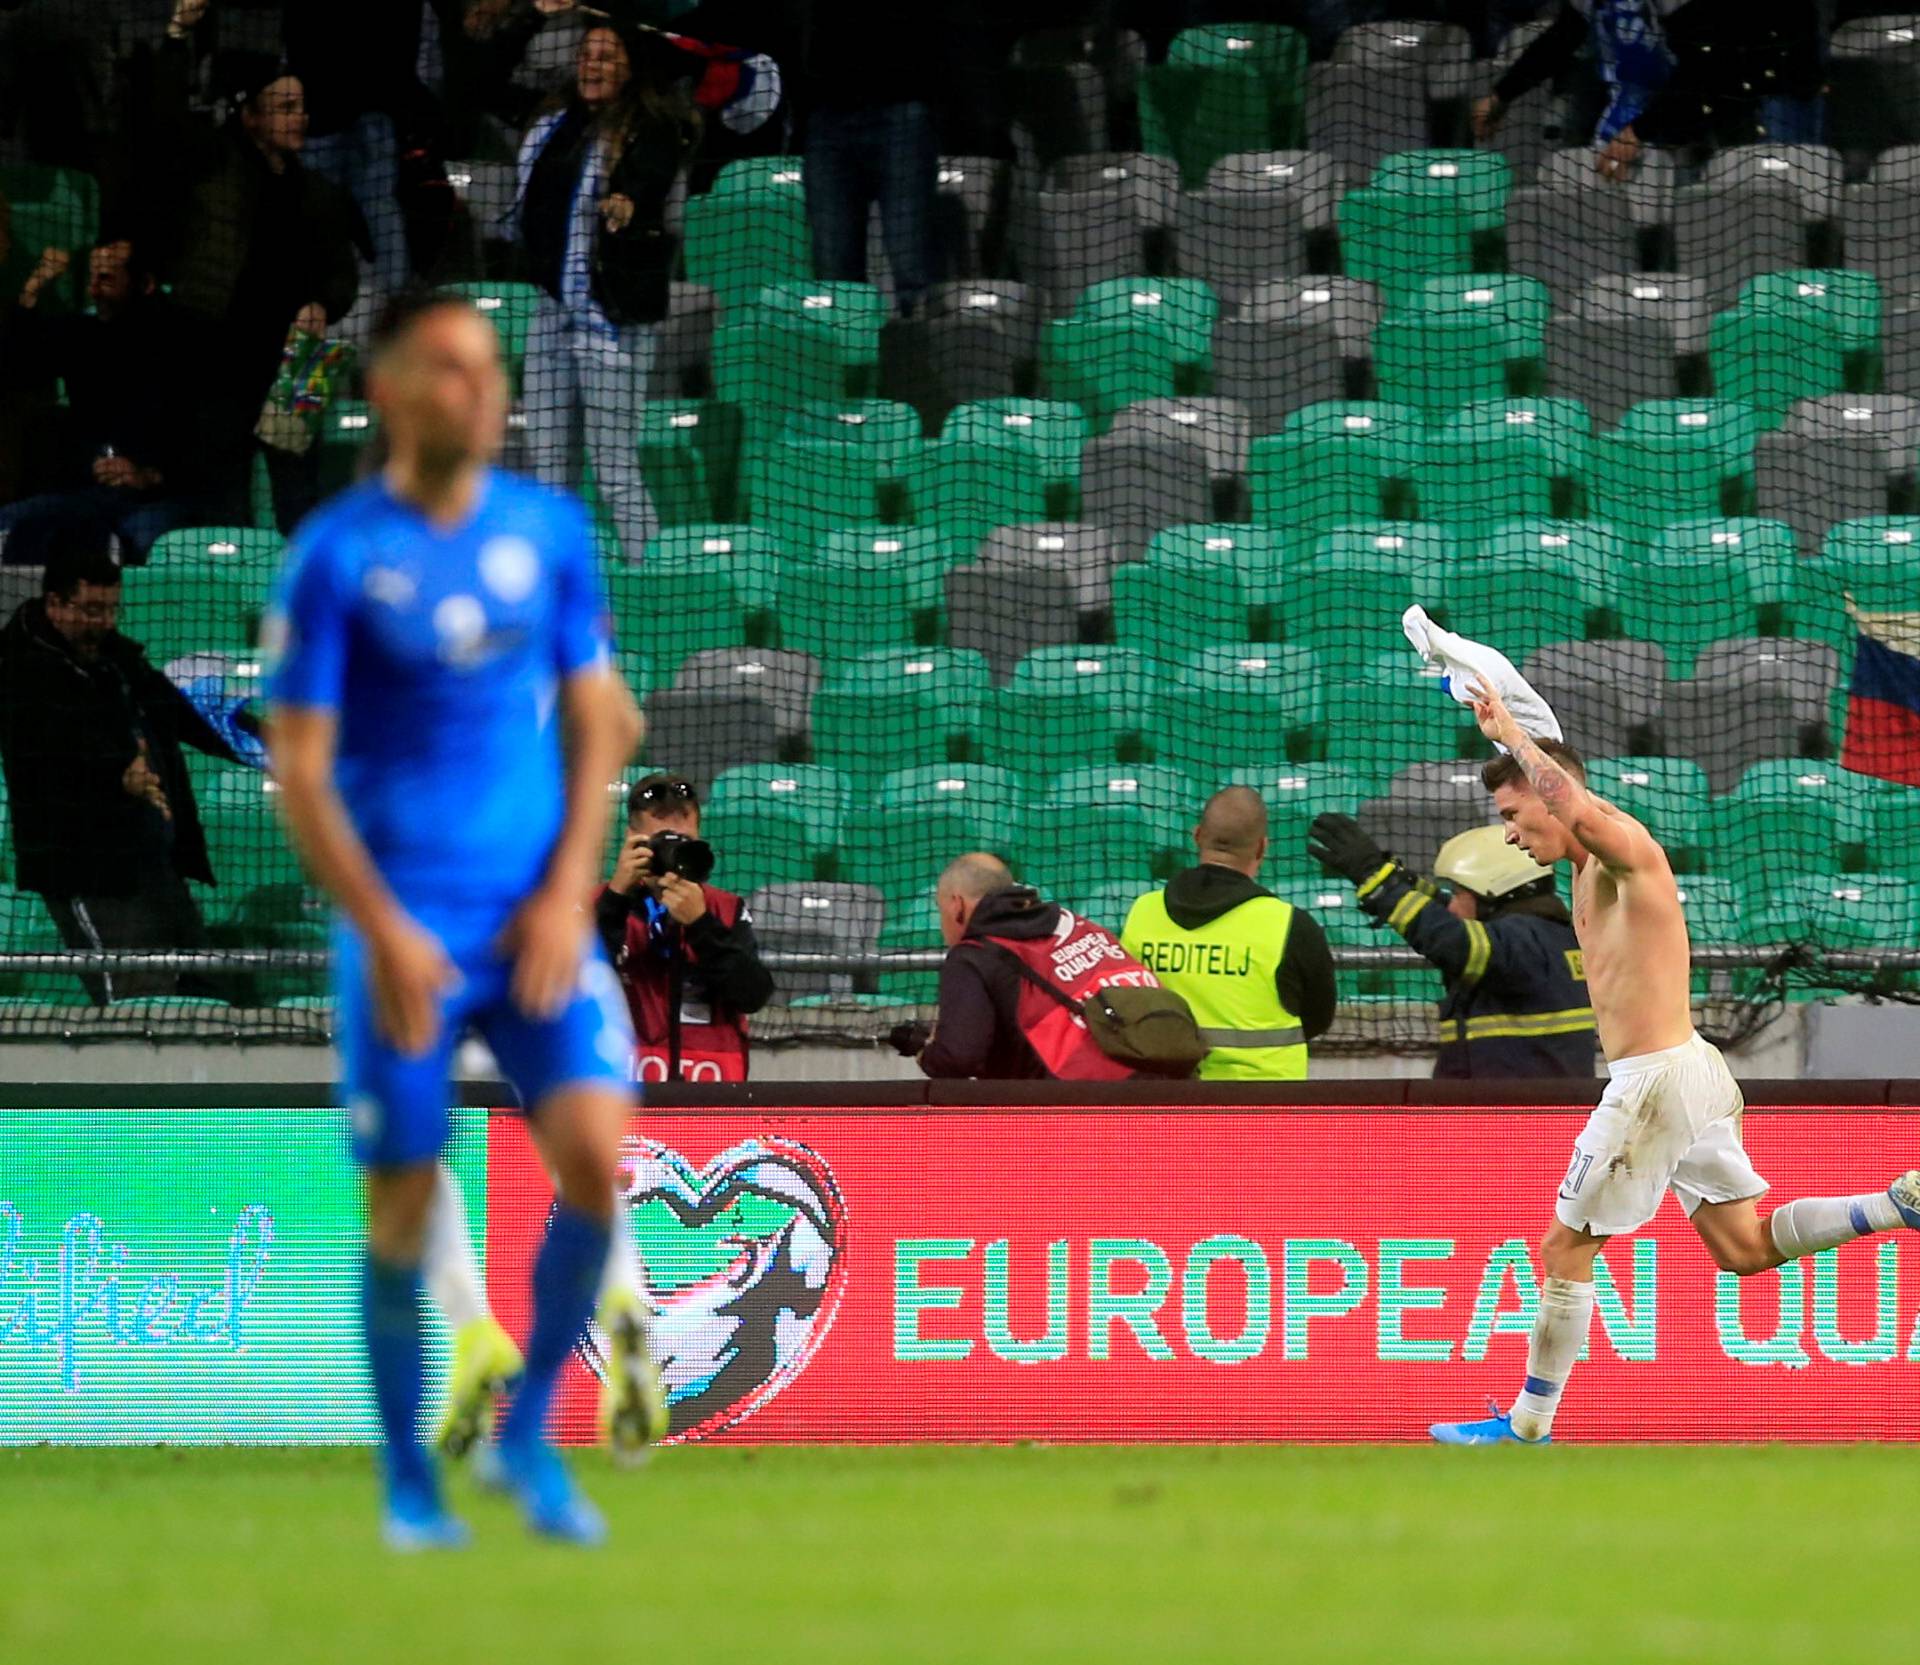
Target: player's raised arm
<point x="1617" y="843"/>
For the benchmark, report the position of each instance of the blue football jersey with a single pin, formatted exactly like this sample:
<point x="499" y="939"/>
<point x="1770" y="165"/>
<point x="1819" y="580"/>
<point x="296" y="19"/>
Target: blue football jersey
<point x="442" y="651"/>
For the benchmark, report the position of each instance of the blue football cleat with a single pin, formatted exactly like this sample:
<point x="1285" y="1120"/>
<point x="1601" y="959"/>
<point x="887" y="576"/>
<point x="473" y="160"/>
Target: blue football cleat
<point x="417" y="1522"/>
<point x="535" y="1476"/>
<point x="1496" y="1429"/>
<point x="1905" y="1195"/>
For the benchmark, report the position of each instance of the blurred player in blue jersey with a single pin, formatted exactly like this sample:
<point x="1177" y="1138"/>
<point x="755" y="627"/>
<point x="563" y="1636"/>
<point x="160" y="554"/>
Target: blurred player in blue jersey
<point x="445" y="721"/>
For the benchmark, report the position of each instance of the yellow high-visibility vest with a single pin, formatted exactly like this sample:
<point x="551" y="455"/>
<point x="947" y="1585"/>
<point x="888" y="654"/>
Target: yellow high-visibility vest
<point x="1225" y="970"/>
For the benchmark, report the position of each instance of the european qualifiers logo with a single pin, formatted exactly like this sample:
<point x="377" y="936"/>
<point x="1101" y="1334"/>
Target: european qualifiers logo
<point x="88" y="1292"/>
<point x="745" y="1262"/>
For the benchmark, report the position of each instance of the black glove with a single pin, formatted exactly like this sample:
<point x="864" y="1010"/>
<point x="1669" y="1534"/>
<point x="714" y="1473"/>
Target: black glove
<point x="1336" y="842"/>
<point x="910" y="1039"/>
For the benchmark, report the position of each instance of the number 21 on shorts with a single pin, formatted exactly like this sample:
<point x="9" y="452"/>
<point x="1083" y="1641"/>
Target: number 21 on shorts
<point x="1576" y="1173"/>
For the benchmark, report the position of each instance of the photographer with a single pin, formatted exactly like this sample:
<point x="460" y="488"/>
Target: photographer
<point x="684" y="949"/>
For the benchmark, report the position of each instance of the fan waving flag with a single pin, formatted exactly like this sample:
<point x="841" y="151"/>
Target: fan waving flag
<point x="1883" y="703"/>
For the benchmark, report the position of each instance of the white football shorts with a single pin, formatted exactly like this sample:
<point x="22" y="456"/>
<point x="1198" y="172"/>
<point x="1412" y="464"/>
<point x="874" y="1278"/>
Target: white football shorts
<point x="1667" y="1118"/>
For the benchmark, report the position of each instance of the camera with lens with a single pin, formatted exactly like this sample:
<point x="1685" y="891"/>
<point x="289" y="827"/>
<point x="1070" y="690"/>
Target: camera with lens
<point x="689" y="858"/>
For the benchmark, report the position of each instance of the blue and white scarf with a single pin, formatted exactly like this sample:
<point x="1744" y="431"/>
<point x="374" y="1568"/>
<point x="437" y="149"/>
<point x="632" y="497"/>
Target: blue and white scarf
<point x="1634" y="58"/>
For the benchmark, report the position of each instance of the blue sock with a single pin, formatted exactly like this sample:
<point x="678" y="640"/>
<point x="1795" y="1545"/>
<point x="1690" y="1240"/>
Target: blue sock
<point x="566" y="1281"/>
<point x="390" y="1316"/>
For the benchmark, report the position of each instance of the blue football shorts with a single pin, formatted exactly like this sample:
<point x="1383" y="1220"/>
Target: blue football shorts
<point x="398" y="1105"/>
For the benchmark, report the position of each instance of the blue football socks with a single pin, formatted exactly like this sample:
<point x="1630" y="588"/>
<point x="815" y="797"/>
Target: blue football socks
<point x="390" y="1316"/>
<point x="566" y="1282"/>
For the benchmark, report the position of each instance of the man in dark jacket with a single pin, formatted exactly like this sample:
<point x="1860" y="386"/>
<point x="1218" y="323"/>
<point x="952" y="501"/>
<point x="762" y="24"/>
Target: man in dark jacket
<point x="1256" y="971"/>
<point x="104" y="823"/>
<point x="1516" y="1001"/>
<point x="130" y="460"/>
<point x="684" y="949"/>
<point x="1007" y="949"/>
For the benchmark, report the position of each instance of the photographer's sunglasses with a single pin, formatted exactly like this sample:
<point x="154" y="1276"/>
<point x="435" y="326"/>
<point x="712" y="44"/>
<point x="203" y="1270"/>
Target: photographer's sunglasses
<point x="676" y="791"/>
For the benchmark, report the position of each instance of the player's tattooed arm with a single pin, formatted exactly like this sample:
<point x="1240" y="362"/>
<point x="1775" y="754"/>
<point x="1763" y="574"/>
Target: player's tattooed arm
<point x="1558" y="790"/>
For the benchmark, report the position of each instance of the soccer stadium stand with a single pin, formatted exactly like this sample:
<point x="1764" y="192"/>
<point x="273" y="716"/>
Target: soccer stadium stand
<point x="1082" y="470"/>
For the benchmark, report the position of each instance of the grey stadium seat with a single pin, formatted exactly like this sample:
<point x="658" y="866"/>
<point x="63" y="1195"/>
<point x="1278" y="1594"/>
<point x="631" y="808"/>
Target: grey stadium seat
<point x="1307" y="177"/>
<point x="1425" y="805"/>
<point x="817" y="919"/>
<point x="1236" y="240"/>
<point x="785" y="680"/>
<point x="1738" y="716"/>
<point x="1564" y="237"/>
<point x="1648" y="190"/>
<point x="1812" y="171"/>
<point x="1004" y="610"/>
<point x="1900" y="345"/>
<point x="1874" y="75"/>
<point x="1609" y="696"/>
<point x="1835" y="458"/>
<point x="1136" y="483"/>
<point x="1220" y="425"/>
<point x="1086" y="554"/>
<point x="683" y="363"/>
<point x="1807" y="670"/>
<point x="1725" y="234"/>
<point x="1276" y="366"/>
<point x="973" y="339"/>
<point x="701" y="732"/>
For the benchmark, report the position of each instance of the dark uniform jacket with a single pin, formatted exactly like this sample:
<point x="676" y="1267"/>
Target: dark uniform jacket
<point x="68" y="730"/>
<point x="1516" y="1001"/>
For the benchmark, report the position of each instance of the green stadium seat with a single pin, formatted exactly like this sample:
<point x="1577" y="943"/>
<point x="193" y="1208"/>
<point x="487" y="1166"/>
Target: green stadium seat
<point x="1073" y="705"/>
<point x="1171" y="612"/>
<point x="776" y="823"/>
<point x="1105" y="364"/>
<point x="922" y="818"/>
<point x="1398" y="239"/>
<point x="1876" y="559"/>
<point x="1294" y="794"/>
<point x="1438" y="362"/>
<point x="1394" y="713"/>
<point x="1846" y="911"/>
<point x="1106" y="903"/>
<point x="833" y="466"/>
<point x="887" y="711"/>
<point x="205" y="546"/>
<point x="246" y="843"/>
<point x="1789" y="816"/>
<point x="1334" y="907"/>
<point x="1894" y="817"/>
<point x="1474" y="482"/>
<point x="912" y="923"/>
<point x="862" y="591"/>
<point x="1258" y="554"/>
<point x="779" y="364"/>
<point x="1770" y="359"/>
<point x="1561" y="428"/>
<point x="1715" y="919"/>
<point x="1347" y="601"/>
<point x="690" y="455"/>
<point x="1847" y="304"/>
<point x="510" y="308"/>
<point x="1517" y="307"/>
<point x="696" y="588"/>
<point x="1475" y="180"/>
<point x="1532" y="583"/>
<point x="1669" y="795"/>
<point x="1239" y="706"/>
<point x="1224" y="89"/>
<point x="849" y="315"/>
<point x="347" y="431"/>
<point x="1189" y="305"/>
<point x="200" y="592"/>
<point x="1341" y="461"/>
<point x="751" y="229"/>
<point x="1098" y="825"/>
<point x="1706" y="579"/>
<point x="1671" y="458"/>
<point x="999" y="462"/>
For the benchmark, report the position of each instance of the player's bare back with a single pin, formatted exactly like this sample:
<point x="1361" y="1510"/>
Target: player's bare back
<point x="1633" y="937"/>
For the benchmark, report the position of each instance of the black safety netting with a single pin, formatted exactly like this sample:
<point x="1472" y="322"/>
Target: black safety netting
<point x="1004" y="428"/>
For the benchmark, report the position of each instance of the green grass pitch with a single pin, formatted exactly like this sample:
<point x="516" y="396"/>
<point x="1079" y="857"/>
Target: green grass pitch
<point x="1096" y="1555"/>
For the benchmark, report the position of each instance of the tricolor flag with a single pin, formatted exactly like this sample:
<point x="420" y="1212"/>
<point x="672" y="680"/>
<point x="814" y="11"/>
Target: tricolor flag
<point x="1883" y="702"/>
